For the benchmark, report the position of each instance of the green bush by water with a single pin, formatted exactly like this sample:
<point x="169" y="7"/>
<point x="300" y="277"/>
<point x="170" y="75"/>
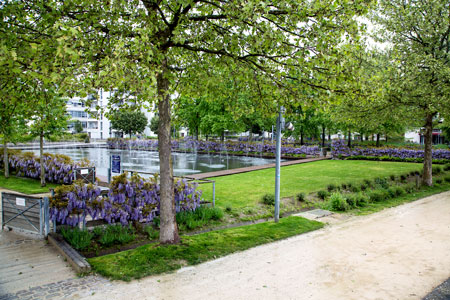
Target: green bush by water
<point x="268" y="199"/>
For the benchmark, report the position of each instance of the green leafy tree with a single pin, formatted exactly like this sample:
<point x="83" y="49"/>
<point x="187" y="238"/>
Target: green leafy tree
<point x="419" y="62"/>
<point x="49" y="117"/>
<point x="78" y="127"/>
<point x="154" y="123"/>
<point x="150" y="48"/>
<point x="128" y="121"/>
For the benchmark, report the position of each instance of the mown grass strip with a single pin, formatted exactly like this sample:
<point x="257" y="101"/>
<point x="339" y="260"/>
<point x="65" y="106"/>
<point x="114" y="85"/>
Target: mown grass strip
<point x="233" y="190"/>
<point x="24" y="185"/>
<point x="155" y="259"/>
<point x="424" y="191"/>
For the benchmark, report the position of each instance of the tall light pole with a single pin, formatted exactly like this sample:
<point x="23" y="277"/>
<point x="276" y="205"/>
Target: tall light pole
<point x="281" y="125"/>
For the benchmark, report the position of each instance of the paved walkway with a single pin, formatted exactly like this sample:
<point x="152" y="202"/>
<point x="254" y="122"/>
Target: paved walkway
<point x="399" y="253"/>
<point x="253" y="168"/>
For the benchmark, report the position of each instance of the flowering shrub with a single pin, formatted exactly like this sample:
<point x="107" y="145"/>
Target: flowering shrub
<point x="128" y="200"/>
<point x="58" y="168"/>
<point x="340" y="150"/>
<point x="214" y="147"/>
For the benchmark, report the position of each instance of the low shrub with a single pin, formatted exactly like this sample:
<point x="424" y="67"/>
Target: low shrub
<point x="410" y="188"/>
<point x="367" y="182"/>
<point x="447" y="178"/>
<point x="439" y="180"/>
<point x="268" y="199"/>
<point x="198" y="218"/>
<point x="228" y="208"/>
<point x="392" y="177"/>
<point x="355" y="189"/>
<point x="362" y="199"/>
<point x="399" y="191"/>
<point x="392" y="192"/>
<point x="301" y="197"/>
<point x="351" y="200"/>
<point x="78" y="239"/>
<point x="344" y="186"/>
<point x="323" y="194"/>
<point x="338" y="202"/>
<point x="381" y="182"/>
<point x="447" y="167"/>
<point x="331" y="187"/>
<point x="403" y="177"/>
<point x="363" y="187"/>
<point x="116" y="235"/>
<point x="376" y="195"/>
<point x="436" y="170"/>
<point x="152" y="233"/>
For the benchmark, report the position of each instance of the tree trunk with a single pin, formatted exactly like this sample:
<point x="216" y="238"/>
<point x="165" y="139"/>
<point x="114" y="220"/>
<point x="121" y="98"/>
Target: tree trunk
<point x="427" y="177"/>
<point x="349" y="141"/>
<point x="329" y="135"/>
<point x="168" y="227"/>
<point x="41" y="158"/>
<point x="301" y="138"/>
<point x="323" y="136"/>
<point x="386" y="138"/>
<point x="5" y="157"/>
<point x="378" y="140"/>
<point x="196" y="133"/>
<point x="222" y="136"/>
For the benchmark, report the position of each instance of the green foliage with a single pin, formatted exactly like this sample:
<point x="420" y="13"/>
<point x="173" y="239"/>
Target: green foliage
<point x="154" y="124"/>
<point x="381" y="182"/>
<point x="437" y="170"/>
<point x="77" y="126"/>
<point x="301" y="197"/>
<point x="268" y="199"/>
<point x="392" y="177"/>
<point x="447" y="178"/>
<point x="78" y="239"/>
<point x="195" y="249"/>
<point x="377" y="195"/>
<point x="338" y="202"/>
<point x="152" y="233"/>
<point x="331" y="187"/>
<point x="447" y="167"/>
<point x="128" y="121"/>
<point x="323" y="194"/>
<point x="439" y="180"/>
<point x="116" y="235"/>
<point x="198" y="218"/>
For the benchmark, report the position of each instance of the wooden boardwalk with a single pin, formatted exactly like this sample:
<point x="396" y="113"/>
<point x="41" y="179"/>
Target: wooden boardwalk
<point x="253" y="168"/>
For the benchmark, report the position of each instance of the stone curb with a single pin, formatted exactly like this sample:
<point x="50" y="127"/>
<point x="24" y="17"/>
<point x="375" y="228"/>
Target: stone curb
<point x="76" y="260"/>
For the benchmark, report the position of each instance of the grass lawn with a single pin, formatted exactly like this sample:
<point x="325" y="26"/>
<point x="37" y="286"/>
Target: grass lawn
<point x="155" y="259"/>
<point x="246" y="189"/>
<point x="24" y="185"/>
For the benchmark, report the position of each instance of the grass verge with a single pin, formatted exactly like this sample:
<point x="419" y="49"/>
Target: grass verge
<point x="233" y="190"/>
<point x="424" y="191"/>
<point x="155" y="259"/>
<point x="24" y="185"/>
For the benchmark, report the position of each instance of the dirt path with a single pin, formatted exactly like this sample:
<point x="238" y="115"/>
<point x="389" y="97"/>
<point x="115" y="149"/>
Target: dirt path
<point x="399" y="253"/>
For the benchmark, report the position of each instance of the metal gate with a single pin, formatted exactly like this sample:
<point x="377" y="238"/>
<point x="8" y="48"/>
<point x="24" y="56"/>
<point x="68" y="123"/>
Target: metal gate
<point x="26" y="212"/>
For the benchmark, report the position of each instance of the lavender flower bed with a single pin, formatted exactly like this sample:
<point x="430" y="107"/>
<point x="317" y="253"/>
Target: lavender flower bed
<point x="58" y="168"/>
<point x="207" y="146"/>
<point x="129" y="200"/>
<point x="340" y="150"/>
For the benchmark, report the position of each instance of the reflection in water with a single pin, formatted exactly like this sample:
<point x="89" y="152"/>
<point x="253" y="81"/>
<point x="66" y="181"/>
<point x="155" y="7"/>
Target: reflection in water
<point x="146" y="161"/>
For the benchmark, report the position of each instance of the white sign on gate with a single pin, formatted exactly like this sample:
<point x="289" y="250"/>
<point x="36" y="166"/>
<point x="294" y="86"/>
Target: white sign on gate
<point x="20" y="201"/>
<point x="84" y="171"/>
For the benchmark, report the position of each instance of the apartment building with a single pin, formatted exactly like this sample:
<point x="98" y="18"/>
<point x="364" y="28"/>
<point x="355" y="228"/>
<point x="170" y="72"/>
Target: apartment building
<point x="94" y="122"/>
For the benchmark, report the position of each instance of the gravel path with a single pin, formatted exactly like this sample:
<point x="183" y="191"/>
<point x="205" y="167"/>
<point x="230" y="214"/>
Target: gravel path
<point x="399" y="253"/>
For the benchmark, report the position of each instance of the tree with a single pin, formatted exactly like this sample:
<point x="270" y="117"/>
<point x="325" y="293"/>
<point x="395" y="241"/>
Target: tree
<point x="150" y="48"/>
<point x="128" y="121"/>
<point x="154" y="124"/>
<point x="418" y="75"/>
<point x="49" y="117"/>
<point x="77" y="126"/>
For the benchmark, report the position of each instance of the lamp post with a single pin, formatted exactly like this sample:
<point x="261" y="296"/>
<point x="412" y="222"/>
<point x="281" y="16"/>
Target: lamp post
<point x="281" y="125"/>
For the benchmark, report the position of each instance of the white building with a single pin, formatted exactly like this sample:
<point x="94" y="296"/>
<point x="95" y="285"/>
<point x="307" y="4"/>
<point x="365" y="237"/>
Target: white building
<point x="94" y="122"/>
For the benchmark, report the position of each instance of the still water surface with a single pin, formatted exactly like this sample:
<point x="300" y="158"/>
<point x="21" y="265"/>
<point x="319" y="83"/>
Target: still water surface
<point x="147" y="161"/>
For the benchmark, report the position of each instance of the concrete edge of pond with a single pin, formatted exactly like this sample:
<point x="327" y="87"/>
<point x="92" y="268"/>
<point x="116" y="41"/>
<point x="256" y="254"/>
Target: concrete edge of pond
<point x="254" y="168"/>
